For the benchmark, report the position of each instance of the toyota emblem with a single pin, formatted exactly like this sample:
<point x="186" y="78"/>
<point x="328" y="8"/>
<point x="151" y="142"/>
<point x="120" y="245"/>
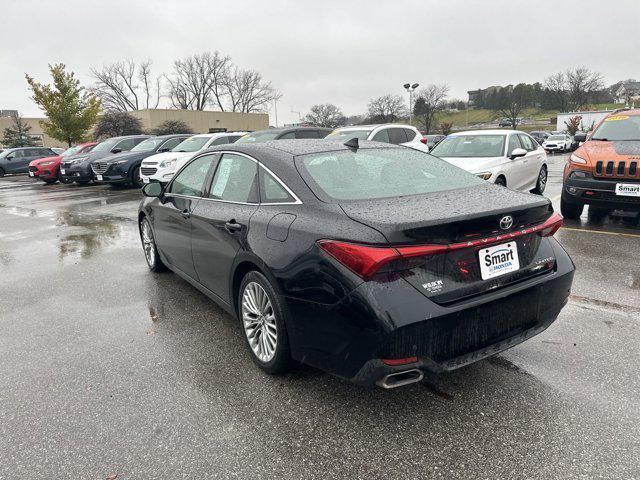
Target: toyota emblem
<point x="506" y="222"/>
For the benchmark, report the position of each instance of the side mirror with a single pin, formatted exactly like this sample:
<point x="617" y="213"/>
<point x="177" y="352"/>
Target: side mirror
<point x="580" y="137"/>
<point x="116" y="150"/>
<point x="517" y="152"/>
<point x="10" y="156"/>
<point x="153" y="190"/>
<point x="163" y="150"/>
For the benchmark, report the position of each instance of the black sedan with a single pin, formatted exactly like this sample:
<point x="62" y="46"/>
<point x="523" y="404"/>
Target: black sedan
<point x="78" y="168"/>
<point x="124" y="168"/>
<point x="373" y="262"/>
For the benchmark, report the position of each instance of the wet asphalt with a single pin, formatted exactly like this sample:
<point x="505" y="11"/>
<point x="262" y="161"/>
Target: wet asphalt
<point x="106" y="368"/>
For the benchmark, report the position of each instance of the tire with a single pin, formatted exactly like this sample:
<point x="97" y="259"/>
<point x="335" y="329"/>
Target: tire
<point x="135" y="179"/>
<point x="261" y="309"/>
<point x="63" y="180"/>
<point x="571" y="210"/>
<point x="1" y="172"/>
<point x="154" y="262"/>
<point x="541" y="182"/>
<point x="597" y="213"/>
<point x="501" y="181"/>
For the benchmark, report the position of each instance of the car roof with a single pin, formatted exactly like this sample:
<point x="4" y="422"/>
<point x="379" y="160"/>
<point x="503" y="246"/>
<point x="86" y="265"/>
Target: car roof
<point x="501" y="131"/>
<point x="300" y="146"/>
<point x="291" y="129"/>
<point x="217" y="134"/>
<point x="371" y="126"/>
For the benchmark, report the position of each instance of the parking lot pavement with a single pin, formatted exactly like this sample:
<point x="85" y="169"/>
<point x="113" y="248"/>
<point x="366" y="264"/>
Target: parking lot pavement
<point x="106" y="368"/>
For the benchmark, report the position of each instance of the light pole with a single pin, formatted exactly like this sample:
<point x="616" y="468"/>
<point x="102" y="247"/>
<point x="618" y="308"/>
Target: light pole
<point x="411" y="88"/>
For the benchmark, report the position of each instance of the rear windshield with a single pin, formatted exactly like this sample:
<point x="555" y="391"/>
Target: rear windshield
<point x="191" y="144"/>
<point x="379" y="173"/>
<point x="618" y="128"/>
<point x="470" y="146"/>
<point x="556" y="137"/>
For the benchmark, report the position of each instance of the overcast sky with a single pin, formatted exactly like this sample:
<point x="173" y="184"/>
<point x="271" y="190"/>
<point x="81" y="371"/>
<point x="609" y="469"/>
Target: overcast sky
<point x="343" y="52"/>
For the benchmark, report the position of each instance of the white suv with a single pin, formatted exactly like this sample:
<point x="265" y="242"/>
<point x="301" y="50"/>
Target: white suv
<point x="162" y="166"/>
<point x="388" y="133"/>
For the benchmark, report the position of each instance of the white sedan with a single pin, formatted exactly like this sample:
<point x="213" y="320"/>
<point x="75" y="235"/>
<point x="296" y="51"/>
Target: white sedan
<point x="162" y="166"/>
<point x="557" y="143"/>
<point x="509" y="158"/>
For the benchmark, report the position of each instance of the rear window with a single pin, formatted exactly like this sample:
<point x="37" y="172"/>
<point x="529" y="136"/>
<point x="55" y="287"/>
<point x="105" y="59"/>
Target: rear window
<point x="258" y="137"/>
<point x="469" y="146"/>
<point x="379" y="173"/>
<point x="344" y="135"/>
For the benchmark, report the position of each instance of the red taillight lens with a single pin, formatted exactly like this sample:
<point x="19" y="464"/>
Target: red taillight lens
<point x="361" y="259"/>
<point x="552" y="225"/>
<point x="423" y="140"/>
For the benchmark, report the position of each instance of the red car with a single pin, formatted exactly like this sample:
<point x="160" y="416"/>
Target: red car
<point x="48" y="168"/>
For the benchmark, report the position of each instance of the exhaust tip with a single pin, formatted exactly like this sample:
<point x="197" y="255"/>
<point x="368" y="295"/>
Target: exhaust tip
<point x="400" y="379"/>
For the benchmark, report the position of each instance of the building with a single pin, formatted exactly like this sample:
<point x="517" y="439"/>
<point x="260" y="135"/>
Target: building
<point x="477" y="97"/>
<point x="203" y="121"/>
<point x="36" y="133"/>
<point x="628" y="92"/>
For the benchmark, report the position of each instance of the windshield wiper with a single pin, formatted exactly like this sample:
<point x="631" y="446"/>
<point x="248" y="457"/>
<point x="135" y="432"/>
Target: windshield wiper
<point x="601" y="139"/>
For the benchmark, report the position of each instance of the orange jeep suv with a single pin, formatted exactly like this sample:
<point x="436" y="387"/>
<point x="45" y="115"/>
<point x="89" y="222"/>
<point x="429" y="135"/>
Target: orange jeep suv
<point x="604" y="172"/>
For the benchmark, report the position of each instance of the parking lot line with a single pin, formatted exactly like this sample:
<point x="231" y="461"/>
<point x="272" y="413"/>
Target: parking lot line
<point x="587" y="230"/>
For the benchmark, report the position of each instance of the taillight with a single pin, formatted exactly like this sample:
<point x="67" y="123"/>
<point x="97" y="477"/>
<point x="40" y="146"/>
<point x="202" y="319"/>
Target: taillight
<point x="423" y="140"/>
<point x="367" y="260"/>
<point x="551" y="225"/>
<point x="361" y="259"/>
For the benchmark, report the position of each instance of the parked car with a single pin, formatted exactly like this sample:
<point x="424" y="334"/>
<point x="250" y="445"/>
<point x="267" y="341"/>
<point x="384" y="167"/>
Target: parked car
<point x="604" y="171"/>
<point x="376" y="263"/>
<point x="48" y="169"/>
<point x="507" y="122"/>
<point x="78" y="168"/>
<point x="539" y="136"/>
<point x="404" y="135"/>
<point x="162" y="166"/>
<point x="557" y="143"/>
<point x="124" y="168"/>
<point x="433" y="140"/>
<point x="16" y="160"/>
<point x="285" y="134"/>
<point x="512" y="159"/>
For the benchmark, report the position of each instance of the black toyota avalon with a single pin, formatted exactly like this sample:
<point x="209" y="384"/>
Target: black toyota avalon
<point x="124" y="168"/>
<point x="373" y="262"/>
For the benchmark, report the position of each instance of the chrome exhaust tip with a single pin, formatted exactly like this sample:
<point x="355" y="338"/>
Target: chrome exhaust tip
<point x="400" y="379"/>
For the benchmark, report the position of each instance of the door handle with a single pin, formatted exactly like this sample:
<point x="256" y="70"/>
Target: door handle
<point x="232" y="226"/>
<point x="186" y="213"/>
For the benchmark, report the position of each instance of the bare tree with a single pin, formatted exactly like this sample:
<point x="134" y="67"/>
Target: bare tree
<point x="125" y="85"/>
<point x="199" y="80"/>
<point x="582" y="84"/>
<point x="387" y="108"/>
<point x="325" y="115"/>
<point x="431" y="99"/>
<point x="510" y="103"/>
<point x="573" y="89"/>
<point x="249" y="93"/>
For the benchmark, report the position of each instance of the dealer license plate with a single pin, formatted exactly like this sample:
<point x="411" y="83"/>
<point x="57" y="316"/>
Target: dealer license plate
<point x="498" y="260"/>
<point x="628" y="189"/>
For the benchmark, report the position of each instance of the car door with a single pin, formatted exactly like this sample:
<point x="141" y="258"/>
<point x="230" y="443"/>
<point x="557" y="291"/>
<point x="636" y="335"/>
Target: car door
<point x="514" y="168"/>
<point x="397" y="136"/>
<point x="532" y="161"/>
<point x="172" y="214"/>
<point x="221" y="220"/>
<point x="381" y="136"/>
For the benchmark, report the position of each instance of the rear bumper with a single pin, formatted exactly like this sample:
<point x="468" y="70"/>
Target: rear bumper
<point x="393" y="321"/>
<point x="599" y="193"/>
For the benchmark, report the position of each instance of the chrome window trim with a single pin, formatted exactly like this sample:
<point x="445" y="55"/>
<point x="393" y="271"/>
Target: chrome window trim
<point x="297" y="201"/>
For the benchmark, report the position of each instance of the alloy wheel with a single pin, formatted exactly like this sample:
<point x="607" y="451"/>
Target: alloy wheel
<point x="258" y="318"/>
<point x="542" y="179"/>
<point x="148" y="243"/>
